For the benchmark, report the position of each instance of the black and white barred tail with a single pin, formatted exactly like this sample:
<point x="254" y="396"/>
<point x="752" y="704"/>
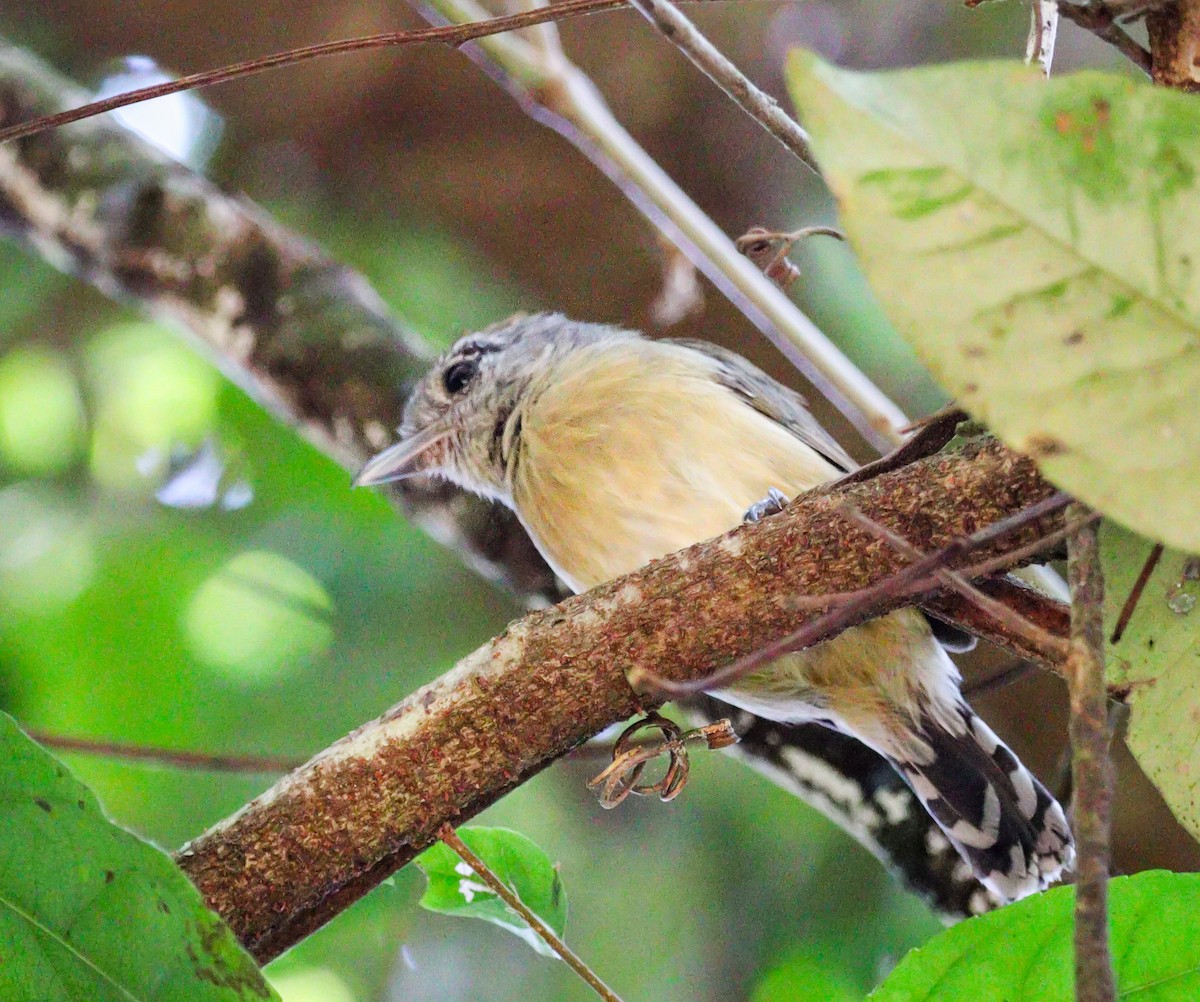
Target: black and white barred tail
<point x="1003" y="822"/>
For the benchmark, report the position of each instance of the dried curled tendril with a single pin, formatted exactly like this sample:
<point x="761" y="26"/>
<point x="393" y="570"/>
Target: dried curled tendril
<point x="621" y="777"/>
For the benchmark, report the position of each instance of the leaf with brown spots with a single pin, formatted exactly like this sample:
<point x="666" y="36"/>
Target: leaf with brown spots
<point x="89" y="911"/>
<point x="1036" y="242"/>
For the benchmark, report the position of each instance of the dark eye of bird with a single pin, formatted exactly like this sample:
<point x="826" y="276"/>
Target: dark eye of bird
<point x="458" y="375"/>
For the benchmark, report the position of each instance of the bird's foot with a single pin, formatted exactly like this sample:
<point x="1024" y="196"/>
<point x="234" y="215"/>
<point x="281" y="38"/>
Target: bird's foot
<point x="772" y="504"/>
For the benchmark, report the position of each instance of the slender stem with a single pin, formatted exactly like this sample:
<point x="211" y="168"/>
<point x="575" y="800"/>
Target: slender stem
<point x="1100" y="20"/>
<point x="999" y="680"/>
<point x="448" y="835"/>
<point x="453" y="35"/>
<point x="1052" y="646"/>
<point x="167" y="756"/>
<point x="1091" y="771"/>
<point x="558" y="94"/>
<point x="764" y="109"/>
<point x="1135" y="593"/>
<point x="847" y="607"/>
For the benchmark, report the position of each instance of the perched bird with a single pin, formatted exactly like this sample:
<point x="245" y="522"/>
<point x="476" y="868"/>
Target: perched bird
<point x="614" y="449"/>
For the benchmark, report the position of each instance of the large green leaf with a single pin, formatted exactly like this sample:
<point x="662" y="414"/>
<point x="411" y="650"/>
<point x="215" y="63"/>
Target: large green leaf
<point x="1024" y="951"/>
<point x="1158" y="658"/>
<point x="1039" y="244"/>
<point x="88" y="911"/>
<point x="455" y="889"/>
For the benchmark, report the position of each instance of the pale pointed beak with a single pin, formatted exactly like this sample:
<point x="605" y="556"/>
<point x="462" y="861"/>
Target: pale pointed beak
<point x="409" y="458"/>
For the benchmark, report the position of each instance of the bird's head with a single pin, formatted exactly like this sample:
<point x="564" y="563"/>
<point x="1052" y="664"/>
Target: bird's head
<point x="463" y="419"/>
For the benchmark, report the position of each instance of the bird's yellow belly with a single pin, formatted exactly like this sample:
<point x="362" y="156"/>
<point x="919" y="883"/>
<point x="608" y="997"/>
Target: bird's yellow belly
<point x="603" y="493"/>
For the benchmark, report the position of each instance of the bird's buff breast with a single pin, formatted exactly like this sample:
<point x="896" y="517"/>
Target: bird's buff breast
<point x="640" y="457"/>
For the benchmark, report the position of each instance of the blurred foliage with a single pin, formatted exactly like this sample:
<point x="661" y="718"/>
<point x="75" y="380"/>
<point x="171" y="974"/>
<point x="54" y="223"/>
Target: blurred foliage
<point x="276" y="626"/>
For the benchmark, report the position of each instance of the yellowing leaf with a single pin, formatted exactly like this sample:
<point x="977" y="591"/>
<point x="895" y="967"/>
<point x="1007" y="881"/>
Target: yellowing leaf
<point x="1039" y="245"/>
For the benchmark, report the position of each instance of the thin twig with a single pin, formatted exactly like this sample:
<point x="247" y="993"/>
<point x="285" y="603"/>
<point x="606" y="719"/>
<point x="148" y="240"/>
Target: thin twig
<point x="847" y="607"/>
<point x="1099" y="19"/>
<point x="1091" y="772"/>
<point x="453" y="35"/>
<point x="1135" y="593"/>
<point x="764" y="109"/>
<point x="557" y="94"/>
<point x="931" y="435"/>
<point x="448" y="835"/>
<point x="1012" y="621"/>
<point x="999" y="680"/>
<point x="167" y="756"/>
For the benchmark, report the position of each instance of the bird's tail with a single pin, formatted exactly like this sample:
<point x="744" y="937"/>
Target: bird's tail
<point x="1003" y="822"/>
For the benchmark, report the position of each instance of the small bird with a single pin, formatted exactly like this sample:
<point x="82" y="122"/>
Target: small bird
<point x="614" y="449"/>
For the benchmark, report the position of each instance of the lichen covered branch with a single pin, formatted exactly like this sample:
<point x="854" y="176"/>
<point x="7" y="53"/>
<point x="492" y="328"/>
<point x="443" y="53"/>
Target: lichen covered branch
<point x="303" y="334"/>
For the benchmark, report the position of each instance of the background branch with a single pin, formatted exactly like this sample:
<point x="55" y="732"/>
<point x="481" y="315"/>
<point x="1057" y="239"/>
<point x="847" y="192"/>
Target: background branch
<point x="764" y="109"/>
<point x="326" y="834"/>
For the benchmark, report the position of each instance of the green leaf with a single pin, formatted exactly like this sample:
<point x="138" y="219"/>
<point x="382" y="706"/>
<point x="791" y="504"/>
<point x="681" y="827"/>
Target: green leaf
<point x="1024" y="951"/>
<point x="88" y="911"/>
<point x="1158" y="658"/>
<point x="1038" y="242"/>
<point x="455" y="889"/>
<point x="808" y="978"/>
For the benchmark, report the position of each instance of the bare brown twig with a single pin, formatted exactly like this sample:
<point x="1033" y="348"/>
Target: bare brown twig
<point x="1091" y="771"/>
<point x="763" y="108"/>
<point x="1101" y="21"/>
<point x="1135" y="593"/>
<point x="177" y="758"/>
<point x="510" y="897"/>
<point x="846" y="607"/>
<point x="931" y="434"/>
<point x="1033" y="606"/>
<point x="452" y="35"/>
<point x="1053" y="646"/>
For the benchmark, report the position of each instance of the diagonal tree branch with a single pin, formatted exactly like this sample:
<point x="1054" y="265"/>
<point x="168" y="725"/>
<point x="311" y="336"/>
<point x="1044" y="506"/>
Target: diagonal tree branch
<point x="335" y="828"/>
<point x="304" y="335"/>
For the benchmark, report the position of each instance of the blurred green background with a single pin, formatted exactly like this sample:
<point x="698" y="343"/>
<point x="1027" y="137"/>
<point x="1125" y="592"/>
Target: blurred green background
<point x="252" y="603"/>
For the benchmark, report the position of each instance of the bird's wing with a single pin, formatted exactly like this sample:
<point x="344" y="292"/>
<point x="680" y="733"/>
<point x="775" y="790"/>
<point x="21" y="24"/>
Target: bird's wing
<point x="765" y="395"/>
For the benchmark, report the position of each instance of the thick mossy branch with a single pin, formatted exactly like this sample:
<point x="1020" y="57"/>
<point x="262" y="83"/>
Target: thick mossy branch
<point x="335" y="828"/>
